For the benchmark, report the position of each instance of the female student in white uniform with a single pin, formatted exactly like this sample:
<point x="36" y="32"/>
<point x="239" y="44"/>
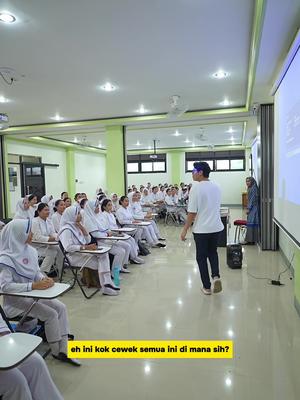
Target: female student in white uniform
<point x="95" y="228"/>
<point x="125" y="217"/>
<point x="32" y="198"/>
<point x="74" y="238"/>
<point x="23" y="209"/>
<point x="115" y="202"/>
<point x="59" y="208"/>
<point x="140" y="215"/>
<point x="43" y="231"/>
<point x="108" y="221"/>
<point x="19" y="272"/>
<point x="29" y="380"/>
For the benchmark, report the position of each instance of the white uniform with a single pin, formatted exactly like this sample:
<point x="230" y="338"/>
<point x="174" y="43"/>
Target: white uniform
<point x="172" y="202"/>
<point x="72" y="239"/>
<point x="56" y="217"/>
<point x="41" y="230"/>
<point x="21" y="213"/>
<point x="18" y="270"/>
<point x="30" y="380"/>
<point x="125" y="217"/>
<point x="94" y="225"/>
<point x="139" y="214"/>
<point x="108" y="222"/>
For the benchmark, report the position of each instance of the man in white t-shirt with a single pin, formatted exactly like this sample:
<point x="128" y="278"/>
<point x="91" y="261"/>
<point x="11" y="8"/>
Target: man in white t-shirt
<point x="204" y="211"/>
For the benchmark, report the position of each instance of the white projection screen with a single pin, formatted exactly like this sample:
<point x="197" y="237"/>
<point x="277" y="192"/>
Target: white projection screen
<point x="287" y="147"/>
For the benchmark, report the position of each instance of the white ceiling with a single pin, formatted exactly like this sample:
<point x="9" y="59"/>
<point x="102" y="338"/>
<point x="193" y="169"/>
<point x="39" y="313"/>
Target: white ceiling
<point x="150" y="49"/>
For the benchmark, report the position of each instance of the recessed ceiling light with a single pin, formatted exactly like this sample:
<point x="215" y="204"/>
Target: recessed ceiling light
<point x="4" y="99"/>
<point x="225" y="103"/>
<point x="75" y="140"/>
<point x="138" y="143"/>
<point x="220" y="74"/>
<point x="100" y="144"/>
<point x="149" y="147"/>
<point x="193" y="145"/>
<point x="7" y="18"/>
<point x="187" y="141"/>
<point x="177" y="133"/>
<point x="108" y="87"/>
<point x="142" y="109"/>
<point x="57" y="117"/>
<point x="230" y="130"/>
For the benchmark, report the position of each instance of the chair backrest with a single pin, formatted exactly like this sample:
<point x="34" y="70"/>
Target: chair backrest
<point x="65" y="253"/>
<point x="6" y="319"/>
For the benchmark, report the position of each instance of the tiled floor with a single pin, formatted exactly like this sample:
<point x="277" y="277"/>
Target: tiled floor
<point x="162" y="300"/>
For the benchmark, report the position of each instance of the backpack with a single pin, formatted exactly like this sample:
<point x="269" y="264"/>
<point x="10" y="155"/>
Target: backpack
<point x="90" y="277"/>
<point x="143" y="249"/>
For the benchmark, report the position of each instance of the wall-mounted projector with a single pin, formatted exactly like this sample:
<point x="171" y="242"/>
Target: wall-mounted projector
<point x="4" y="121"/>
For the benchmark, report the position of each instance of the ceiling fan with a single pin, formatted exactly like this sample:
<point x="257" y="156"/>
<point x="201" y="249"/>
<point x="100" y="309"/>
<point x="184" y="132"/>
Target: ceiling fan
<point x="177" y="107"/>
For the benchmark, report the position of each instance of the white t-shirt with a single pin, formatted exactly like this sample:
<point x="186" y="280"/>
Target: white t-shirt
<point x="205" y="200"/>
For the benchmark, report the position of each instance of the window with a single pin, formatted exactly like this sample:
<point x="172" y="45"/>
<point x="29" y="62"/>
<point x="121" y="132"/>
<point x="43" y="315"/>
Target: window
<point x="222" y="165"/>
<point x="145" y="163"/>
<point x="146" y="166"/>
<point x="232" y="160"/>
<point x="132" y="167"/>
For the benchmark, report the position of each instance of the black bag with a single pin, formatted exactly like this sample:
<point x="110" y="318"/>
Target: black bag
<point x="143" y="249"/>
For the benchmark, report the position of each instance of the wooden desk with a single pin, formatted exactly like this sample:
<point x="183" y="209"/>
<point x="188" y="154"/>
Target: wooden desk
<point x="15" y="348"/>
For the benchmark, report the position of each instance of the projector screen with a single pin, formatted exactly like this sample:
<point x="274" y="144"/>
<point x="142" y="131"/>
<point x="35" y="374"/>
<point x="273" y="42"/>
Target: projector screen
<point x="287" y="151"/>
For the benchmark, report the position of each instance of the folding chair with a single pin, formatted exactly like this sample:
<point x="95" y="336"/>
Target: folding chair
<point x="74" y="269"/>
<point x="38" y="330"/>
<point x="170" y="216"/>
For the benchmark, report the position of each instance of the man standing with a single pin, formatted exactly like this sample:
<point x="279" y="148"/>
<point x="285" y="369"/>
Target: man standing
<point x="204" y="211"/>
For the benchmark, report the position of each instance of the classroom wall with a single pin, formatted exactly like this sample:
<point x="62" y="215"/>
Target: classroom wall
<point x="154" y="178"/>
<point x="232" y="184"/>
<point x="90" y="172"/>
<point x="55" y="177"/>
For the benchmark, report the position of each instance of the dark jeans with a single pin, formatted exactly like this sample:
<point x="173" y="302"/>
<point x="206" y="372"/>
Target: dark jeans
<point x="206" y="248"/>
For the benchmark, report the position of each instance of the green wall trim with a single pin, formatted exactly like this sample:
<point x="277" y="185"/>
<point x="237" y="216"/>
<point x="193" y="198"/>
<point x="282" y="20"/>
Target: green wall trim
<point x="258" y="19"/>
<point x="58" y="144"/>
<point x="189" y="149"/>
<point x="70" y="170"/>
<point x="176" y="158"/>
<point x="115" y="165"/>
<point x="124" y="120"/>
<point x="8" y="209"/>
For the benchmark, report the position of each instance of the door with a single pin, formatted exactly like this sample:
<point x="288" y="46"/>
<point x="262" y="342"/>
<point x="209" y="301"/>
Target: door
<point x="33" y="180"/>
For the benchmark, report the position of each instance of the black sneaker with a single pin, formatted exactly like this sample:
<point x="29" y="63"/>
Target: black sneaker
<point x="64" y="358"/>
<point x="52" y="274"/>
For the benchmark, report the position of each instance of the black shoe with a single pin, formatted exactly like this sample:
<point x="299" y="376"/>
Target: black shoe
<point x="112" y="287"/>
<point x="64" y="358"/>
<point x="71" y="337"/>
<point x="52" y="274"/>
<point x="161" y="245"/>
<point x="162" y="239"/>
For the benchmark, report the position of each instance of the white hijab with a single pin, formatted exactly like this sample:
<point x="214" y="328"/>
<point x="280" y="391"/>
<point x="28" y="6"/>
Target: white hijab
<point x="91" y="220"/>
<point x="49" y="201"/>
<point x="21" y="213"/>
<point x="14" y="252"/>
<point x="68" y="222"/>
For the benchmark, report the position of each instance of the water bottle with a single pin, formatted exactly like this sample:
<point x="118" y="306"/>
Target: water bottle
<point x="116" y="275"/>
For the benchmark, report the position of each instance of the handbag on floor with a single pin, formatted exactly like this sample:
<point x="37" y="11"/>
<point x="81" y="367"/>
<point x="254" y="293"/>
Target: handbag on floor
<point x="90" y="277"/>
<point x="143" y="249"/>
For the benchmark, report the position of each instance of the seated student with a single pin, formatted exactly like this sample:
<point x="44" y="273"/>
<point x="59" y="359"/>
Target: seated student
<point x="155" y="197"/>
<point x="29" y="380"/>
<point x="146" y="199"/>
<point x="115" y="202"/>
<point x="43" y="231"/>
<point x="22" y="209"/>
<point x="78" y="197"/>
<point x="48" y="199"/>
<point x="59" y="208"/>
<point x="74" y="238"/>
<point x="125" y="217"/>
<point x="161" y="194"/>
<point x="171" y="201"/>
<point x="32" y="198"/>
<point x="94" y="227"/>
<point x="68" y="202"/>
<point x="19" y="272"/>
<point x="139" y="214"/>
<point x="108" y="221"/>
<point x="64" y="195"/>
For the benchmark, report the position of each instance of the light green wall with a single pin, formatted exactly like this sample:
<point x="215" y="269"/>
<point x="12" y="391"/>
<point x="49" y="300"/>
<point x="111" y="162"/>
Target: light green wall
<point x="115" y="166"/>
<point x="176" y="158"/>
<point x="70" y="166"/>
